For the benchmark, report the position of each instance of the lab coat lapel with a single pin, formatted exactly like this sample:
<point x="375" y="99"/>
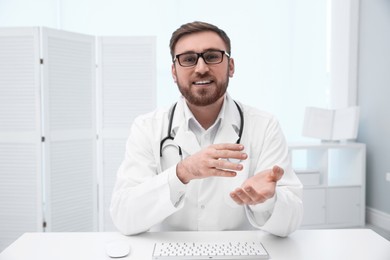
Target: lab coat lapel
<point x="227" y="132"/>
<point x="183" y="137"/>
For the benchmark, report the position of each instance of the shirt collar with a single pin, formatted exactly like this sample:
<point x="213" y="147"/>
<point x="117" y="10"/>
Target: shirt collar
<point x="228" y="114"/>
<point x="190" y="118"/>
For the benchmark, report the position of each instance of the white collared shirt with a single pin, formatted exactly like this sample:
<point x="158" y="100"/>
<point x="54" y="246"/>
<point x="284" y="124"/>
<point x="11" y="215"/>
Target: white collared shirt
<point x="205" y="137"/>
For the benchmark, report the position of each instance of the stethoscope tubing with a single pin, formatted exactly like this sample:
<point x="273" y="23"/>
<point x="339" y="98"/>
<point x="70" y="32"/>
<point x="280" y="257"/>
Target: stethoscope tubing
<point x="171" y="115"/>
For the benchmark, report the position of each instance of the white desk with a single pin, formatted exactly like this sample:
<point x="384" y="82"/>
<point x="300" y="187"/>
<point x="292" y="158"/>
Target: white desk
<point x="340" y="244"/>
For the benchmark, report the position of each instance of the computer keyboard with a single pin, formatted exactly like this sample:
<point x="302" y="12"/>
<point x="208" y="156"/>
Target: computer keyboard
<point x="217" y="250"/>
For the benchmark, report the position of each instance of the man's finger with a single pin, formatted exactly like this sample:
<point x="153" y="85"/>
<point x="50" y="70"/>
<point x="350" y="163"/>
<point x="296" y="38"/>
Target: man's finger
<point x="234" y="196"/>
<point x="277" y="173"/>
<point x="228" y="154"/>
<point x="226" y="165"/>
<point x="254" y="196"/>
<point x="223" y="173"/>
<point x="243" y="196"/>
<point x="227" y="146"/>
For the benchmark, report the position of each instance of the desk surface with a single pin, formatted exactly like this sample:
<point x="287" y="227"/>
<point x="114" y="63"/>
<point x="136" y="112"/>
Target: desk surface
<point x="302" y="244"/>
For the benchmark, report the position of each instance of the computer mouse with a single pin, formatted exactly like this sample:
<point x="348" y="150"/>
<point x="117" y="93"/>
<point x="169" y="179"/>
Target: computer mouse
<point x="117" y="248"/>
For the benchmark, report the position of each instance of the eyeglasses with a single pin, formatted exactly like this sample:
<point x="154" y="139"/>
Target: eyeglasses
<point x="190" y="59"/>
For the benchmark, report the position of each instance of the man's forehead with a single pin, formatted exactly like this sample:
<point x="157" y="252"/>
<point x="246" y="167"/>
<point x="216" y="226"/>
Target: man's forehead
<point x="199" y="42"/>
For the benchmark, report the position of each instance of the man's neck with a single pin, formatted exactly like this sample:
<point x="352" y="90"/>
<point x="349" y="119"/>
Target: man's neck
<point x="206" y="115"/>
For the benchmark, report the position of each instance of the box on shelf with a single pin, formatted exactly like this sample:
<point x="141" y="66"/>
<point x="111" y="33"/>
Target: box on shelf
<point x="331" y="124"/>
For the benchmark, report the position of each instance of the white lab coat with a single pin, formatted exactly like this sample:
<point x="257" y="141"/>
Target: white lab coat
<point x="142" y="198"/>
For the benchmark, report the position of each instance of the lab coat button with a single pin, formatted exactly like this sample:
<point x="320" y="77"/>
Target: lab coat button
<point x="202" y="206"/>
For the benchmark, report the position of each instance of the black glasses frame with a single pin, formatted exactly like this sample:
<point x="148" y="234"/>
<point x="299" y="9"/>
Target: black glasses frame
<point x="177" y="57"/>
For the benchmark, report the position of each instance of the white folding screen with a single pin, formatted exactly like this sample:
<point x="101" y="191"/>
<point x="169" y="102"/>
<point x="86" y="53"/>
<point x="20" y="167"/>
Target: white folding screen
<point x="126" y="88"/>
<point x="20" y="134"/>
<point x="69" y="130"/>
<point x="51" y="161"/>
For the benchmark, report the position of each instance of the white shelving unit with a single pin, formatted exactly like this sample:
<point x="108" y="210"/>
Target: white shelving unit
<point x="333" y="176"/>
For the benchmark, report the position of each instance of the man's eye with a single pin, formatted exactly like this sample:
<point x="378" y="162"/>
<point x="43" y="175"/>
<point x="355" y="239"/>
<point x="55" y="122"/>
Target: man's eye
<point x="188" y="58"/>
<point x="212" y="57"/>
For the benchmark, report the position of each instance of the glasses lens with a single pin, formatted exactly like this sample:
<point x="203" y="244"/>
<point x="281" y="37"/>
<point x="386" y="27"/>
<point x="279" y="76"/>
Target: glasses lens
<point x="188" y="59"/>
<point x="213" y="57"/>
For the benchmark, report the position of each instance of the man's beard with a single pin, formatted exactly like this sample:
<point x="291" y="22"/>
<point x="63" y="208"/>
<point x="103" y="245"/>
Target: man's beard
<point x="203" y="96"/>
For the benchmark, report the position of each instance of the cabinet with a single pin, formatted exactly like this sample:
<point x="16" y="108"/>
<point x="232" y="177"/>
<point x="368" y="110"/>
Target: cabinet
<point x="333" y="178"/>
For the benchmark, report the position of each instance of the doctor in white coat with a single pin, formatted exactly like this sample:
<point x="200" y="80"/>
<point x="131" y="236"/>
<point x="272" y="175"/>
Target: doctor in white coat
<point x="208" y="162"/>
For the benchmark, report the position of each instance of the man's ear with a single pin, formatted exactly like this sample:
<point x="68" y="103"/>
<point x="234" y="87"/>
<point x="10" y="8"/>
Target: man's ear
<point x="231" y="67"/>
<point x="173" y="70"/>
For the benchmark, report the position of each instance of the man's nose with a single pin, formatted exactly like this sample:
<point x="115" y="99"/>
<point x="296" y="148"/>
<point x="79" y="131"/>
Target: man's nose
<point x="201" y="67"/>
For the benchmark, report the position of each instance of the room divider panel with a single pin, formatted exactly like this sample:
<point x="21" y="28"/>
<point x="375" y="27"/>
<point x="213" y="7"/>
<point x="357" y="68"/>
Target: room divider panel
<point x="65" y="111"/>
<point x="20" y="134"/>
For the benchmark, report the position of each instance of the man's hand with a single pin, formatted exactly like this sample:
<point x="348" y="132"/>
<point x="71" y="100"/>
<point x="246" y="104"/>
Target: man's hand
<point x="258" y="188"/>
<point x="211" y="161"/>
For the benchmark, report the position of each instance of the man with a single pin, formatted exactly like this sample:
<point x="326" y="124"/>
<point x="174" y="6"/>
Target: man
<point x="208" y="162"/>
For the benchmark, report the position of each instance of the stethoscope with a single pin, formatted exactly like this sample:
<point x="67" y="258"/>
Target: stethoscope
<point x="170" y="137"/>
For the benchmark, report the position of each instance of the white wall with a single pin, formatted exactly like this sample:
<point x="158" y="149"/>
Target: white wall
<point x="374" y="93"/>
<point x="279" y="46"/>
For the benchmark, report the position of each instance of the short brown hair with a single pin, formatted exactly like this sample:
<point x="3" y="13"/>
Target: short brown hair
<point x="195" y="27"/>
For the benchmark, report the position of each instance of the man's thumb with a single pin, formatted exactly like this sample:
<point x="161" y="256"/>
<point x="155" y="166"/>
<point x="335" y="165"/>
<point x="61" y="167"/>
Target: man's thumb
<point x="277" y="173"/>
